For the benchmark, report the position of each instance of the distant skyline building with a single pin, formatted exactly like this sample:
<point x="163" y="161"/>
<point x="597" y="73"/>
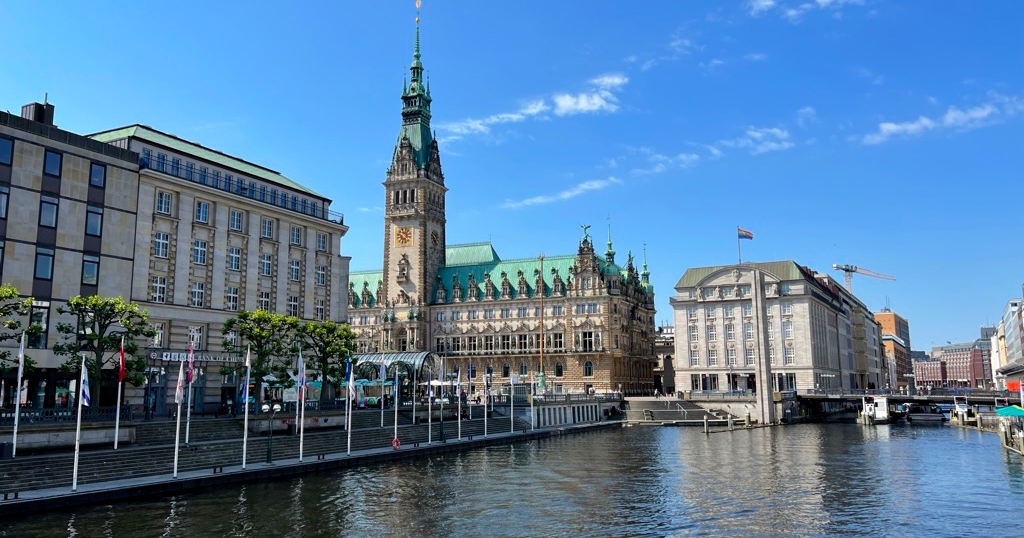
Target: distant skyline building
<point x="896" y="346"/>
<point x="961" y="364"/>
<point x="1012" y="331"/>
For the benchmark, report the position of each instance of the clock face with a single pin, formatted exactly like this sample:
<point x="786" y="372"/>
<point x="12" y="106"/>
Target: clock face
<point x="403" y="236"/>
<point x="435" y="238"/>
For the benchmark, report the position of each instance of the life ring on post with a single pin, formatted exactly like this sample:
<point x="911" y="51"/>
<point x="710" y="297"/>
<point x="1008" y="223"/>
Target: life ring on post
<point x="396" y="444"/>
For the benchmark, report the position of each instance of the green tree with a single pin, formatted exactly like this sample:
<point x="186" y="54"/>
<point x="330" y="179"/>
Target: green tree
<point x="12" y="310"/>
<point x="100" y="324"/>
<point x="330" y="344"/>
<point x="269" y="338"/>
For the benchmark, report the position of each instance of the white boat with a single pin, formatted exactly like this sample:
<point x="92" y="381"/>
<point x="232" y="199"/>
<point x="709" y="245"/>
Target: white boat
<point x="918" y="413"/>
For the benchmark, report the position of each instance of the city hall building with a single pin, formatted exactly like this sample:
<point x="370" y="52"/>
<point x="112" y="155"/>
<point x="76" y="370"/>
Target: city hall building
<point x="579" y="322"/>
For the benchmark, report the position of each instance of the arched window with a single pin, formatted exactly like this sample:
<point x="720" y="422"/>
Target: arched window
<point x="523" y="368"/>
<point x="588" y="369"/>
<point x="558" y="370"/>
<point x="504" y="370"/>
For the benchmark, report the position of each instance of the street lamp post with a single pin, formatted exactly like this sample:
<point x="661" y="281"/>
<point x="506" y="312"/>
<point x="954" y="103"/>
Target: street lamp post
<point x="273" y="410"/>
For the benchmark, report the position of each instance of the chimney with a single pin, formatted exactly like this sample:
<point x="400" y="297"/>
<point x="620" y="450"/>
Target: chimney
<point x="40" y="112"/>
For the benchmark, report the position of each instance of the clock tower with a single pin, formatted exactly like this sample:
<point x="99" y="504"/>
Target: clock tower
<point x="414" y="217"/>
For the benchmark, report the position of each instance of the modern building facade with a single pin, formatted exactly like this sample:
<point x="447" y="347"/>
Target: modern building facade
<point x="1012" y="331"/>
<point x="217" y="235"/>
<point x="738" y="324"/>
<point x="571" y="323"/>
<point x="68" y="214"/>
<point x="963" y="364"/>
<point x="895" y="347"/>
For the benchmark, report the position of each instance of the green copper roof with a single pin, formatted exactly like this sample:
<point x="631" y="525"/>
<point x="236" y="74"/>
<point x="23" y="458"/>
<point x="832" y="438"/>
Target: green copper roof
<point x="784" y="270"/>
<point x="183" y="146"/>
<point x="416" y="110"/>
<point x="470" y="254"/>
<point x="357" y="280"/>
<point x="529" y="267"/>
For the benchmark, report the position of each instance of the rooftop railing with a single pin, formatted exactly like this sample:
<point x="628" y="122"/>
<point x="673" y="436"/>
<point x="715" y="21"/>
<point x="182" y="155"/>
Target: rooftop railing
<point x="260" y="193"/>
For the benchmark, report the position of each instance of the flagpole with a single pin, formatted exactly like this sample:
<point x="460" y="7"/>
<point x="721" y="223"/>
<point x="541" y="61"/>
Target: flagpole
<point x="394" y="390"/>
<point x="78" y="428"/>
<point x="348" y="412"/>
<point x="17" y="398"/>
<point x="430" y="405"/>
<point x="487" y="400"/>
<point x="177" y="428"/>
<point x="120" y="384"/>
<point x="458" y="395"/>
<point x="245" y="402"/>
<point x="383" y="375"/>
<point x="302" y="415"/>
<point x="511" y="405"/>
<point x="739" y="251"/>
<point x="533" y="391"/>
<point x="188" y="402"/>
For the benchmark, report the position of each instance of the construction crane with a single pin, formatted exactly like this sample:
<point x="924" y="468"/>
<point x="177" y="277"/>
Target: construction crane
<point x="849" y="270"/>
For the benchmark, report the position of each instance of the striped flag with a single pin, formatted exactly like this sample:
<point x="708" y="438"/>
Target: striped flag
<point x="124" y="365"/>
<point x="86" y="398"/>
<point x="179" y="392"/>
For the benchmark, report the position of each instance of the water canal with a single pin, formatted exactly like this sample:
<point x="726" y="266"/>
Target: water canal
<point x="804" y="480"/>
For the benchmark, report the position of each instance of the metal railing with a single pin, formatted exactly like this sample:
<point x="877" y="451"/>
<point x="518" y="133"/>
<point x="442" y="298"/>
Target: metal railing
<point x="939" y="393"/>
<point x="279" y="199"/>
<point x="64" y="414"/>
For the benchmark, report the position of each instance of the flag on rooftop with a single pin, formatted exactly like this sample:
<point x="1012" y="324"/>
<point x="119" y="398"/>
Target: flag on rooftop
<point x="744" y="234"/>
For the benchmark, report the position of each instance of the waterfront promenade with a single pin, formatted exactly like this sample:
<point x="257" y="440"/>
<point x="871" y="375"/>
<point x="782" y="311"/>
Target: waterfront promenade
<point x="42" y="482"/>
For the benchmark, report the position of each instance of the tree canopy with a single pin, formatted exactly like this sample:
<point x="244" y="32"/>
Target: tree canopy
<point x="328" y="345"/>
<point x="12" y="310"/>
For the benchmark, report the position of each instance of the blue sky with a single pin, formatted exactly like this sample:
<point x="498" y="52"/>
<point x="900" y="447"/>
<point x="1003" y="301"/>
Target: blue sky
<point x="881" y="134"/>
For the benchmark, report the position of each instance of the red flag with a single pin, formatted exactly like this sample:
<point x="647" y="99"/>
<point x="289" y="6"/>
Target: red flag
<point x="124" y="367"/>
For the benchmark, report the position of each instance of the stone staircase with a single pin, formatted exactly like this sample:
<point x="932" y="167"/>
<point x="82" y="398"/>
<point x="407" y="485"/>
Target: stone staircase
<point x="55" y="470"/>
<point x="668" y="410"/>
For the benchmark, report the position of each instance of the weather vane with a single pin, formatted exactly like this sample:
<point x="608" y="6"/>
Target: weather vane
<point x="418" y="3"/>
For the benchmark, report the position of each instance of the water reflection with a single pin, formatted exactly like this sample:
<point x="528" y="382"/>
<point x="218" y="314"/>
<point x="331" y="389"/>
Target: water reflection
<point x="808" y="480"/>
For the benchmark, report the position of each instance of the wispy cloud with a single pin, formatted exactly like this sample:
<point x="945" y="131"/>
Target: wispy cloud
<point x="806" y="116"/>
<point x="998" y="107"/>
<point x="574" y="191"/>
<point x="657" y="163"/>
<point x="369" y="209"/>
<point x="600" y="98"/>
<point x="757" y="7"/>
<point x="795" y="14"/>
<point x="761" y="140"/>
<point x="870" y="75"/>
<point x="483" y="125"/>
<point x="755" y="57"/>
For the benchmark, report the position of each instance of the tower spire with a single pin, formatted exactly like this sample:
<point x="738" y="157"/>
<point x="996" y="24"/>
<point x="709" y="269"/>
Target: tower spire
<point x="609" y="255"/>
<point x="416" y="105"/>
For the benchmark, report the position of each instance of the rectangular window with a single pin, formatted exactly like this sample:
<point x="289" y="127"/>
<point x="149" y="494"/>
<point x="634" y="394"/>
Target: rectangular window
<point x="321" y="242"/>
<point x="190" y="171"/>
<point x="471" y="314"/>
<point x="5" y="194"/>
<point x="216" y="178"/>
<point x="90" y="270"/>
<point x="771" y="330"/>
<point x="691" y="312"/>
<point x="231" y="298"/>
<point x="98" y="175"/>
<point x="730" y="332"/>
<point x="522" y="342"/>
<point x="522" y="312"/>
<point x="712" y="357"/>
<point x="694" y="334"/>
<point x="748" y="310"/>
<point x="296" y="237"/>
<point x="321" y="275"/>
<point x="93" y="220"/>
<point x="748" y="357"/>
<point x="48" y="211"/>
<point x="788" y="356"/>
<point x="6" y="151"/>
<point x="592" y="308"/>
<point x="161" y="244"/>
<point x="709" y="311"/>
<point x="488" y="313"/>
<point x="198" y="294"/>
<point x="44" y="263"/>
<point x="202" y="212"/>
<point x="730" y="357"/>
<point x="787" y="308"/>
<point x="158" y="289"/>
<point x="40" y="316"/>
<point x="506" y="312"/>
<point x="203" y="171"/>
<point x="488" y="343"/>
<point x="235" y="221"/>
<point x="728" y="311"/>
<point x="199" y="252"/>
<point x="161" y="162"/>
<point x="267" y="228"/>
<point x="293" y="305"/>
<point x="195" y="336"/>
<point x="748" y="331"/>
<point x="771" y="356"/>
<point x="175" y="166"/>
<point x="321" y="310"/>
<point x="712" y="333"/>
<point x="158" y="338"/>
<point x="694" y="357"/>
<point x="265" y="264"/>
<point x="264" y="301"/>
<point x="293" y="270"/>
<point x="439" y="316"/>
<point x="787" y="330"/>
<point x="581" y="308"/>
<point x="234" y="258"/>
<point x="52" y="163"/>
<point x="558" y="341"/>
<point x="558" y="310"/>
<point x="506" y="342"/>
<point x="163" y="202"/>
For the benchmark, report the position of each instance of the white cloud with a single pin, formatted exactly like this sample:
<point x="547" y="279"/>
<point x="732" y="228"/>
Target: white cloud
<point x="755" y="57"/>
<point x="999" y="106"/>
<point x="483" y="125"/>
<point x="599" y="99"/>
<point x="681" y="44"/>
<point x="757" y="7"/>
<point x="574" y="191"/>
<point x="761" y="140"/>
<point x="806" y="116"/>
<point x="796" y="14"/>
<point x="659" y="162"/>
<point x="369" y="209"/>
<point x="648" y="64"/>
<point x="875" y="78"/>
<point x="631" y="59"/>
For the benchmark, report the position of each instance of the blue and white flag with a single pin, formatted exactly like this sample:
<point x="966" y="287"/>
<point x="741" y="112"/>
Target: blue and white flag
<point x="86" y="398"/>
<point x="302" y="377"/>
<point x="348" y="376"/>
